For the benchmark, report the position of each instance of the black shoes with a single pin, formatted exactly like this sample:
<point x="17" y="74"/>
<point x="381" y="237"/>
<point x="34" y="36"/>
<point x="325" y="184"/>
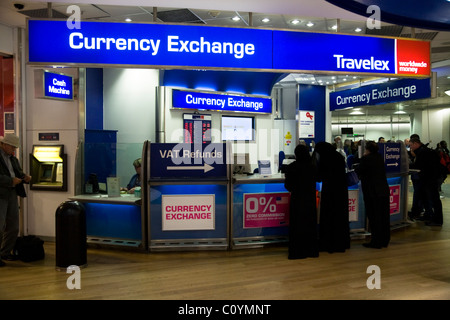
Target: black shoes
<point x="433" y="224"/>
<point x="10" y="257"/>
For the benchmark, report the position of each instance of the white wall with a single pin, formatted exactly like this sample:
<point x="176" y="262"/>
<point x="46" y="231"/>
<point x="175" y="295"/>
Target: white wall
<point x="129" y="97"/>
<point x="6" y="43"/>
<point x="434" y="126"/>
<point x="46" y="115"/>
<point x="372" y="131"/>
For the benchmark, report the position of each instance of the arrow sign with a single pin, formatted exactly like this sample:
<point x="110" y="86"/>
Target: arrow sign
<point x="205" y="168"/>
<point x="188" y="161"/>
<point x="392" y="164"/>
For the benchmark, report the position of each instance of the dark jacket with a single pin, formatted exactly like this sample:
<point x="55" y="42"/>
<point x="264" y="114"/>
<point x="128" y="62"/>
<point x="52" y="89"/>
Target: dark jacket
<point x="428" y="162"/>
<point x="6" y="179"/>
<point x="371" y="172"/>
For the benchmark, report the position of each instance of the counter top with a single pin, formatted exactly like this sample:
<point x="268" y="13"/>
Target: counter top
<point x="104" y="198"/>
<point x="258" y="178"/>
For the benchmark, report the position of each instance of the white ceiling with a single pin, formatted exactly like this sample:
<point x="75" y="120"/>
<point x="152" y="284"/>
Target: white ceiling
<point x="280" y="13"/>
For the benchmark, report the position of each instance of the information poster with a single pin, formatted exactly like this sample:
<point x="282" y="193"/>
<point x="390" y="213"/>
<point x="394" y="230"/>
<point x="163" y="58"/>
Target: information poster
<point x="306" y="124"/>
<point x="197" y="128"/>
<point x="188" y="212"/>
<point x="263" y="210"/>
<point x="394" y="199"/>
<point x="353" y="208"/>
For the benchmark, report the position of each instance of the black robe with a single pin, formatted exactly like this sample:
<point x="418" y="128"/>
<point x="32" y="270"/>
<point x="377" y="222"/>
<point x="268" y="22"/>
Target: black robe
<point x="376" y="194"/>
<point x="300" y="181"/>
<point x="334" y="228"/>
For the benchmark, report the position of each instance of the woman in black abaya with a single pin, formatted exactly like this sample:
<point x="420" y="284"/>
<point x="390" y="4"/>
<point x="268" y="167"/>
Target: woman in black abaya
<point x="334" y="229"/>
<point x="300" y="181"/>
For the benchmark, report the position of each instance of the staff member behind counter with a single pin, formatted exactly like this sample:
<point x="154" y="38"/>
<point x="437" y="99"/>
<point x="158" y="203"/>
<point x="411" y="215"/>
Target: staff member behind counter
<point x="135" y="180"/>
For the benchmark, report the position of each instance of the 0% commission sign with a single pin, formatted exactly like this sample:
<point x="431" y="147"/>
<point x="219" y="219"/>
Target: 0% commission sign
<point x="263" y="210"/>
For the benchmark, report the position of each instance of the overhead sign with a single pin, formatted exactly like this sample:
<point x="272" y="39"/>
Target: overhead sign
<point x="188" y="160"/>
<point x="188" y="212"/>
<point x="221" y="102"/>
<point x="387" y="92"/>
<point x="149" y="44"/>
<point x="391" y="153"/>
<point x="295" y="50"/>
<point x="112" y="43"/>
<point x="58" y="86"/>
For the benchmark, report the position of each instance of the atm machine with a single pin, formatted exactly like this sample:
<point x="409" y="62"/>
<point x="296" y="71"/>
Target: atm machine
<point x="48" y="165"/>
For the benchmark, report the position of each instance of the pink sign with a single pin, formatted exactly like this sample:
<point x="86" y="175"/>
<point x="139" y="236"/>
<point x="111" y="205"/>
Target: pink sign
<point x="394" y="199"/>
<point x="263" y="210"/>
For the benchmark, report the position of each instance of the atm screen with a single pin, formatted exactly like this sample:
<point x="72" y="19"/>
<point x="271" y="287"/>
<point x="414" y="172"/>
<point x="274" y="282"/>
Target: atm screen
<point x="46" y="172"/>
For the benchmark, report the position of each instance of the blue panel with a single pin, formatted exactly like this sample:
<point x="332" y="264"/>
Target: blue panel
<point x="58" y="86"/>
<point x="238" y="210"/>
<point x="221" y="217"/>
<point x="149" y="44"/>
<point x="344" y="53"/>
<point x="94" y="99"/>
<point x="113" y="221"/>
<point x="100" y="153"/>
<point x="221" y="102"/>
<point x="391" y="91"/>
<point x="188" y="160"/>
<point x="258" y="83"/>
<point x="312" y="98"/>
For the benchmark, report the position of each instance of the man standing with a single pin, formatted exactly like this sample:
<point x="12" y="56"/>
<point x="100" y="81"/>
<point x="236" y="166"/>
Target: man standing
<point x="11" y="186"/>
<point x="427" y="161"/>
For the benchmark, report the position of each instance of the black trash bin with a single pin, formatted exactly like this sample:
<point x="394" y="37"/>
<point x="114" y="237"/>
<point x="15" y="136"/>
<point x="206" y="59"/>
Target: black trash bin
<point x="71" y="246"/>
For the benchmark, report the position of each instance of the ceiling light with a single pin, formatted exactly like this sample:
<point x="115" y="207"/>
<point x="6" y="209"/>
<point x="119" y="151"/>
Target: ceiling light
<point x="309" y="24"/>
<point x="400" y="112"/>
<point x="356" y="112"/>
<point x="265" y="20"/>
<point x="447" y="92"/>
<point x="295" y="21"/>
<point x="128" y="20"/>
<point x="235" y="18"/>
<point x="358" y="30"/>
<point x="334" y="27"/>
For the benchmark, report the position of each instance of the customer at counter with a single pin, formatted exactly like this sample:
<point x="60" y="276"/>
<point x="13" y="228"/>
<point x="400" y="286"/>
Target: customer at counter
<point x="301" y="182"/>
<point x="376" y="194"/>
<point x="135" y="180"/>
<point x="334" y="228"/>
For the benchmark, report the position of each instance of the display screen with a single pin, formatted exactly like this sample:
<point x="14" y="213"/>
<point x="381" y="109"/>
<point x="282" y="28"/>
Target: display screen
<point x="238" y="128"/>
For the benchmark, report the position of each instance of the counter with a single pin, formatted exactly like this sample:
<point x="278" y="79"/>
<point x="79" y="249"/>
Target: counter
<point x="113" y="220"/>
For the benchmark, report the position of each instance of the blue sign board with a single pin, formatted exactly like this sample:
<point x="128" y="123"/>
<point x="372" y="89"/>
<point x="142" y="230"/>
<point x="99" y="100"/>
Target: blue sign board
<point x="149" y="44"/>
<point x="391" y="153"/>
<point x="112" y="43"/>
<point x="391" y="91"/>
<point x="222" y="102"/>
<point x="58" y="86"/>
<point x="188" y="160"/>
<point x="332" y="52"/>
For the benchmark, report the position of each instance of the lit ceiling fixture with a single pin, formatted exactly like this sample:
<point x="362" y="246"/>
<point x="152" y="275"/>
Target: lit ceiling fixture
<point x="310" y="24"/>
<point x="447" y="92"/>
<point x="295" y="21"/>
<point x="128" y="20"/>
<point x="235" y="18"/>
<point x="265" y="20"/>
<point x="356" y="112"/>
<point x="400" y="112"/>
<point x="334" y="27"/>
<point x="358" y="30"/>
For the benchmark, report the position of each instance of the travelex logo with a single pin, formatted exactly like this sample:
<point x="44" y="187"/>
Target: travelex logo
<point x="211" y="101"/>
<point x="361" y="64"/>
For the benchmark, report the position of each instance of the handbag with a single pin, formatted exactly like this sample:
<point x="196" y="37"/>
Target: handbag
<point x="352" y="177"/>
<point x="29" y="248"/>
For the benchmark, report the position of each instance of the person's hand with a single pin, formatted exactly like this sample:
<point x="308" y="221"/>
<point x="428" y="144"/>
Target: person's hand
<point x="131" y="191"/>
<point x="27" y="179"/>
<point x="16" y="181"/>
